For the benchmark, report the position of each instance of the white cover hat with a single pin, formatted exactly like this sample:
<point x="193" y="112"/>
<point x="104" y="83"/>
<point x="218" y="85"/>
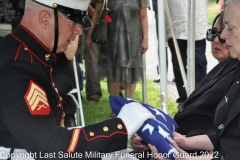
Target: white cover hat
<point x="75" y="10"/>
<point x="74" y="4"/>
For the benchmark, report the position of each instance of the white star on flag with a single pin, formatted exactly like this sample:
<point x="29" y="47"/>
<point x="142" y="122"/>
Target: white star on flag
<point x="163" y="133"/>
<point x="158" y="113"/>
<point x="149" y="127"/>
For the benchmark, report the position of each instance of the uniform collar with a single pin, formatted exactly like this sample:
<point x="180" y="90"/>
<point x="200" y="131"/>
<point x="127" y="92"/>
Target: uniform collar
<point x="33" y="44"/>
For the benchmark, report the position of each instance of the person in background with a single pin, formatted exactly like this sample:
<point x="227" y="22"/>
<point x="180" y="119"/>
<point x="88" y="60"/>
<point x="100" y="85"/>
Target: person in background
<point x="91" y="55"/>
<point x="155" y="9"/>
<point x="179" y="15"/>
<point x="120" y="58"/>
<point x="31" y="109"/>
<point x="197" y="113"/>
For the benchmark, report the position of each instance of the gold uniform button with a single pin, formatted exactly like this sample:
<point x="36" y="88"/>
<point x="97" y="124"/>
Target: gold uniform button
<point x="53" y="84"/>
<point x="91" y="134"/>
<point x="60" y="98"/>
<point x="119" y="126"/>
<point x="105" y="129"/>
<point x="55" y="5"/>
<point x="25" y="48"/>
<point x="47" y="57"/>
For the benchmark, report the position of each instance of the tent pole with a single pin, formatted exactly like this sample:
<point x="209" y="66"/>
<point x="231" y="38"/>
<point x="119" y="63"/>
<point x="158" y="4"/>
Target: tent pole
<point x="179" y="57"/>
<point x="191" y="47"/>
<point x="162" y="55"/>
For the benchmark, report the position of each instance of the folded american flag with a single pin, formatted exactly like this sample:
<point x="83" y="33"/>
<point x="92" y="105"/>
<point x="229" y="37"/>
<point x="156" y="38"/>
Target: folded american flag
<point x="153" y="131"/>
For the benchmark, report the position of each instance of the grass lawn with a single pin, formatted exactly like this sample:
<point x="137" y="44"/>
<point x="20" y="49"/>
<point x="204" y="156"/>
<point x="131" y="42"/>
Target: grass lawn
<point x="94" y="113"/>
<point x="211" y="11"/>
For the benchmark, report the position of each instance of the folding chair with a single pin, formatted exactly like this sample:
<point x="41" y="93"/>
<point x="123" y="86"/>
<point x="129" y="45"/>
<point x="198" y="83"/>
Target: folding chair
<point x="79" y="113"/>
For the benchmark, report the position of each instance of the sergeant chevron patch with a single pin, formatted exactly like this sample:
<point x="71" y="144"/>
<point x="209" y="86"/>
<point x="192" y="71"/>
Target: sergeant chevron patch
<point x="36" y="100"/>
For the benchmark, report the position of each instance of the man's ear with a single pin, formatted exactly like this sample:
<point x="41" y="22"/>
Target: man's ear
<point x="44" y="19"/>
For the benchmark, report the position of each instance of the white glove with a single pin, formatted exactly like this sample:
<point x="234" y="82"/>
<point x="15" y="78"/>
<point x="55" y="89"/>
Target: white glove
<point x="134" y="115"/>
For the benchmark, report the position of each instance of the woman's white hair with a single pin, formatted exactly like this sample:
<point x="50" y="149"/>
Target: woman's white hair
<point x="232" y="1"/>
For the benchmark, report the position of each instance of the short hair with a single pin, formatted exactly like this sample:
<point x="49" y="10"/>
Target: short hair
<point x="215" y="19"/>
<point x="232" y="1"/>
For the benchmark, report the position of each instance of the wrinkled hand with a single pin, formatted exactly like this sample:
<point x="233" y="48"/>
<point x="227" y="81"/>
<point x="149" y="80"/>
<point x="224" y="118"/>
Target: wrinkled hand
<point x="138" y="144"/>
<point x="180" y="151"/>
<point x="181" y="140"/>
<point x="144" y="46"/>
<point x="155" y="152"/>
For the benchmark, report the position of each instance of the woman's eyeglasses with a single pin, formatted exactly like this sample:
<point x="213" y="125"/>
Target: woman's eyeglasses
<point x="213" y="33"/>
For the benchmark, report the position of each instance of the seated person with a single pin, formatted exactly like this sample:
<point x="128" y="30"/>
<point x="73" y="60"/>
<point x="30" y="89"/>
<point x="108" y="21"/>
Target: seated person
<point x="226" y="138"/>
<point x="196" y="115"/>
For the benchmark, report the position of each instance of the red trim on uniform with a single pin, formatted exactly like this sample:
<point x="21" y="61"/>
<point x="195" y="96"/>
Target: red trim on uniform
<point x="31" y="59"/>
<point x="51" y="79"/>
<point x="74" y="141"/>
<point x="96" y="137"/>
<point x="54" y="55"/>
<point x="17" y="52"/>
<point x="37" y="58"/>
<point x="29" y="50"/>
<point x="51" y="73"/>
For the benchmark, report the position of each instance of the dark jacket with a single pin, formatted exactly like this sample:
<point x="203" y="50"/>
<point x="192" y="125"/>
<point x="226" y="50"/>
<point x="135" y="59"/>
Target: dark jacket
<point x="197" y="113"/>
<point x="30" y="107"/>
<point x="227" y="121"/>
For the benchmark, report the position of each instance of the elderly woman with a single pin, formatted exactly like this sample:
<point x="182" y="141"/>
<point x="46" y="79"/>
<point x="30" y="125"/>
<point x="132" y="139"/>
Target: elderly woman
<point x="219" y="48"/>
<point x="226" y="138"/>
<point x="196" y="115"/>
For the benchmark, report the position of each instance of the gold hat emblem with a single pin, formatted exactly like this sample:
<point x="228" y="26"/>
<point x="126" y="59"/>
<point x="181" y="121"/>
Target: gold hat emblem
<point x="47" y="56"/>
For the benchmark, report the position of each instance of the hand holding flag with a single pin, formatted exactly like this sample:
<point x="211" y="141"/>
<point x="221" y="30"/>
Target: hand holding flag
<point x="153" y="131"/>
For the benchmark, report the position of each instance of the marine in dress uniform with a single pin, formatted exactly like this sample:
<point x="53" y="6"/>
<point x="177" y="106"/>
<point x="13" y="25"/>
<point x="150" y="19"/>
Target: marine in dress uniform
<point x="30" y="107"/>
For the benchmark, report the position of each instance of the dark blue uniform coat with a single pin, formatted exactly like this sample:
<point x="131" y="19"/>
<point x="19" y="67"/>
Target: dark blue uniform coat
<point x="31" y="110"/>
